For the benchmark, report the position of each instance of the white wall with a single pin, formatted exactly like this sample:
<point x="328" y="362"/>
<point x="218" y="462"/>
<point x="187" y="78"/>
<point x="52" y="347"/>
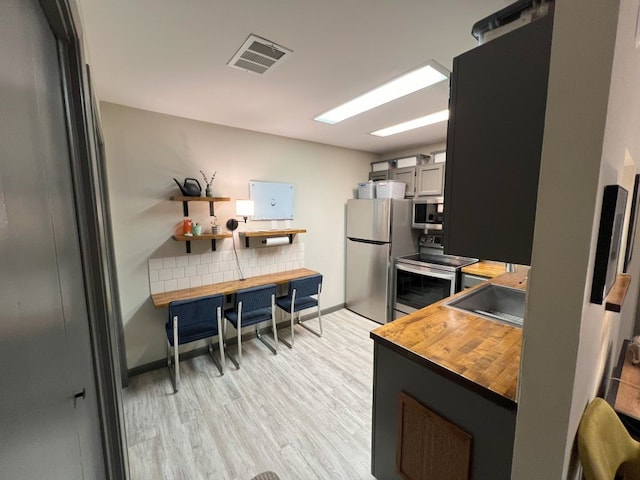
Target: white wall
<point x="590" y="141"/>
<point x="146" y="150"/>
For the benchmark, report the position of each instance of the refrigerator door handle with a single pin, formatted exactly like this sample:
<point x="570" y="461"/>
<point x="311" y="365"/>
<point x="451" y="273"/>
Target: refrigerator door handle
<point x="372" y="242"/>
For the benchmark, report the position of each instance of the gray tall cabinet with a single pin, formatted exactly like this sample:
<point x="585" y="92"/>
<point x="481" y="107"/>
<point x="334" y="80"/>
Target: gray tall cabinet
<point x="61" y="415"/>
<point x="494" y="142"/>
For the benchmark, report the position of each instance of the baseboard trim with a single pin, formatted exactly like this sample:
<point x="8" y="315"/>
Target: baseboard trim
<point x="196" y="352"/>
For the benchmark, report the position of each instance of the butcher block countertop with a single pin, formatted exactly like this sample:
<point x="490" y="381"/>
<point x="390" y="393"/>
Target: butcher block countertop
<point x="482" y="354"/>
<point x="486" y="268"/>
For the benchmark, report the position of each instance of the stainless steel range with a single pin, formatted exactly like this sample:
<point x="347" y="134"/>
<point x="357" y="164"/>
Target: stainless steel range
<point x="426" y="277"/>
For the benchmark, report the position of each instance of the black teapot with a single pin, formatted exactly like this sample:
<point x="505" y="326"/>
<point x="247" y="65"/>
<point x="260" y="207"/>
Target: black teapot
<point x="190" y="189"/>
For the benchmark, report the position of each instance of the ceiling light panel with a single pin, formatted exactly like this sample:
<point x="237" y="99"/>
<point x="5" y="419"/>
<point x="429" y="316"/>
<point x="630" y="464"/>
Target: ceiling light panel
<point x="412" y="124"/>
<point x="411" y="82"/>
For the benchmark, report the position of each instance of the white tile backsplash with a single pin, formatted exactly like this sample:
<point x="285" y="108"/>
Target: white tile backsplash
<point x="156" y="287"/>
<point x="170" y="285"/>
<point x="191" y="271"/>
<point x="165" y="274"/>
<point x="155" y="264"/>
<point x="178" y="272"/>
<point x="202" y="269"/>
<point x="182" y="261"/>
<point x="169" y="262"/>
<point x="187" y="271"/>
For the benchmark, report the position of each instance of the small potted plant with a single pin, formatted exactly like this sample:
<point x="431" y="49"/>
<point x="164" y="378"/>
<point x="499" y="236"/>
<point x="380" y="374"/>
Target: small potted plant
<point x="208" y="192"/>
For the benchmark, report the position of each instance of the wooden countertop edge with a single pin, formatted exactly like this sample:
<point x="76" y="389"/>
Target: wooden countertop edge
<point x="487" y="268"/>
<point x="455" y="377"/>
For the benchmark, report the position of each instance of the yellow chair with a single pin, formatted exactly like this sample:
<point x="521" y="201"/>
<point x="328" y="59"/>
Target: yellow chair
<point x="605" y="446"/>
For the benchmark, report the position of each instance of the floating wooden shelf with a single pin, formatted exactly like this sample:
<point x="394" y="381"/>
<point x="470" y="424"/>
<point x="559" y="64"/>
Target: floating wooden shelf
<point x="290" y="232"/>
<point x="178" y="198"/>
<point x="204" y="236"/>
<point x="618" y="292"/>
<point x="185" y="202"/>
<point x="185" y="210"/>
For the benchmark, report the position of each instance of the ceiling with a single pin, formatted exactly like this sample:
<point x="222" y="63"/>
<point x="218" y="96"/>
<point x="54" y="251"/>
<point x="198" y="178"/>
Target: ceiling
<point x="171" y="57"/>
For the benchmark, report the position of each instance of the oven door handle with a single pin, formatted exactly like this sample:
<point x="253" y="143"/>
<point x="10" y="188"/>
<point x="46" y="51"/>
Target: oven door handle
<point x="426" y="271"/>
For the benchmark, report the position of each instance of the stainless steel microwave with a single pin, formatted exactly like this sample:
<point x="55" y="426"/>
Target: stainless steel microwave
<point x="428" y="213"/>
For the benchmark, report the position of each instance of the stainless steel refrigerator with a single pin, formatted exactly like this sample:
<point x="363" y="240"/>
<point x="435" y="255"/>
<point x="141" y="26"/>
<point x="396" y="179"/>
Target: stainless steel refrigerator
<point x="378" y="230"/>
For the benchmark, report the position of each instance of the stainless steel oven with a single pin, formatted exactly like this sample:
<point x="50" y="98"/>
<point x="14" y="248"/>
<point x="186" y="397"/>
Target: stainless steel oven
<point x="425" y="278"/>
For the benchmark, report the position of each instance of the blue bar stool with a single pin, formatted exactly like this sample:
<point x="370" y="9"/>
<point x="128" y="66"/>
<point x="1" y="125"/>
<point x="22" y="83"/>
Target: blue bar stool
<point x="191" y="320"/>
<point x="252" y="306"/>
<point x="303" y="293"/>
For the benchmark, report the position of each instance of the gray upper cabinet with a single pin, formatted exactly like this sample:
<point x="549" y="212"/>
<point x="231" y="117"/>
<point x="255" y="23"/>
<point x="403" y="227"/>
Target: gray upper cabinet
<point x="430" y="179"/>
<point x="494" y="143"/>
<point x="408" y="176"/>
<point x="380" y="175"/>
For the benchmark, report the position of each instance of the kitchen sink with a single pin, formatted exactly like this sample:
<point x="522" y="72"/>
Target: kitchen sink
<point x="494" y="302"/>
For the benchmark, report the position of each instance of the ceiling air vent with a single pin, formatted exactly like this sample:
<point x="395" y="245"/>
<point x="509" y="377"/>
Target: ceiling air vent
<point x="258" y="55"/>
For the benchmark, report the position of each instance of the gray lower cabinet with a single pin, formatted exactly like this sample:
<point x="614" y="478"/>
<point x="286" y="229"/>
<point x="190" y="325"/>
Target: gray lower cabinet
<point x="477" y="424"/>
<point x="430" y="179"/>
<point x="428" y="445"/>
<point x="408" y="176"/>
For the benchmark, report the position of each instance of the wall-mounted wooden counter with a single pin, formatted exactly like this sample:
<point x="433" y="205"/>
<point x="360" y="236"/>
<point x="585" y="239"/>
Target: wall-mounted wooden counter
<point x="162" y="300"/>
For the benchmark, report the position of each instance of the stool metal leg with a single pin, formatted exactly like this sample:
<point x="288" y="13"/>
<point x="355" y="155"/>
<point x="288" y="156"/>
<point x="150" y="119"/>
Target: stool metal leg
<point x="176" y="359"/>
<point x="318" y="333"/>
<point x="239" y="334"/>
<point x="292" y="320"/>
<point x="220" y="341"/>
<point x="274" y="347"/>
<point x="224" y="334"/>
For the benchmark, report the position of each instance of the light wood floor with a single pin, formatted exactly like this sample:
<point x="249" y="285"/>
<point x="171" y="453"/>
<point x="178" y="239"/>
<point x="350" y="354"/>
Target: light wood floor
<point x="304" y="413"/>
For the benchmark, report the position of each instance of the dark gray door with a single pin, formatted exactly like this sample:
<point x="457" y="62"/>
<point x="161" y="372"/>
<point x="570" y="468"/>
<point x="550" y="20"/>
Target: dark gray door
<point x="45" y="345"/>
